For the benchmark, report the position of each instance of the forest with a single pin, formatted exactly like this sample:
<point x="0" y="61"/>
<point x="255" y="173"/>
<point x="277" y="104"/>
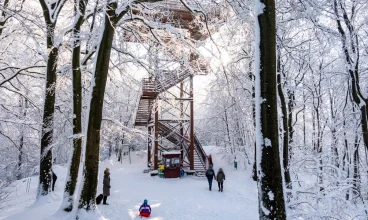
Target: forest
<point x="279" y="86"/>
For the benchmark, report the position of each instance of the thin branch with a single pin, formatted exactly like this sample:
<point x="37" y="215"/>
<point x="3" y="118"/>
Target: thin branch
<point x="18" y="72"/>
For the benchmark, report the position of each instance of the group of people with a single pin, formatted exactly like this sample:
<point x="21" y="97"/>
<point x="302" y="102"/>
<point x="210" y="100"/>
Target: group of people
<point x="210" y="174"/>
<point x="144" y="209"/>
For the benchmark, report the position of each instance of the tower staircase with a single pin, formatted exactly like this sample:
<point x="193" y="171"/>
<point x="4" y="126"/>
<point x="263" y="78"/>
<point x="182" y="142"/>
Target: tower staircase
<point x="147" y="109"/>
<point x="173" y="135"/>
<point x="150" y="89"/>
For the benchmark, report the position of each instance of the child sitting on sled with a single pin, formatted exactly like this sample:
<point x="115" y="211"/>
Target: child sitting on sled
<point x="145" y="209"/>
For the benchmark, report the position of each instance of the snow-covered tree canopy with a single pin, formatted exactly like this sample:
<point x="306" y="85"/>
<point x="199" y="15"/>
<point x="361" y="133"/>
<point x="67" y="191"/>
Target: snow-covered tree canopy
<point x="65" y="63"/>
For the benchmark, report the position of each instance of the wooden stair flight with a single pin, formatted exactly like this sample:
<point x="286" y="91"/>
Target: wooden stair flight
<point x="151" y="88"/>
<point x="171" y="134"/>
<point x="145" y="103"/>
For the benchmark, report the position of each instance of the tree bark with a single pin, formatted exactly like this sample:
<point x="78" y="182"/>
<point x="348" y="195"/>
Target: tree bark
<point x="49" y="103"/>
<point x="20" y="156"/>
<point x="77" y="107"/>
<point x="334" y="145"/>
<point x="271" y="196"/>
<point x="23" y="107"/>
<point x="356" y="176"/>
<point x="251" y="77"/>
<point x="92" y="152"/>
<point x="3" y="15"/>
<point x="228" y="131"/>
<point x="285" y="135"/>
<point x="48" y="113"/>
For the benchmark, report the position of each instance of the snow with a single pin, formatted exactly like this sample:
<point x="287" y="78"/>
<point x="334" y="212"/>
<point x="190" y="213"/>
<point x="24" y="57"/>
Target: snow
<point x="267" y="142"/>
<point x="22" y="205"/>
<point x="258" y="98"/>
<point x="265" y="210"/>
<point x="171" y="152"/>
<point x="173" y="199"/>
<point x="271" y="195"/>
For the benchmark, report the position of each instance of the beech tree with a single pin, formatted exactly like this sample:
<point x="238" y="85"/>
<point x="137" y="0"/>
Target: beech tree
<point x="270" y="183"/>
<point x="70" y="186"/>
<point x="92" y="148"/>
<point x="51" y="13"/>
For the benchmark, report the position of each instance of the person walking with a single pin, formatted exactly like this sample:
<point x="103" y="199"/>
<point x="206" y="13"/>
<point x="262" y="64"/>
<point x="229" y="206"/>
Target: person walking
<point x="210" y="162"/>
<point x="220" y="179"/>
<point x="210" y="174"/>
<point x="106" y="186"/>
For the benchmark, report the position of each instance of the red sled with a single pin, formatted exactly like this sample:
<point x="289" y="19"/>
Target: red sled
<point x="143" y="214"/>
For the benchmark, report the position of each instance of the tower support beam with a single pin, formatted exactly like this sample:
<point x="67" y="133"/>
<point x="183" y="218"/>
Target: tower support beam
<point x="155" y="163"/>
<point x="191" y="147"/>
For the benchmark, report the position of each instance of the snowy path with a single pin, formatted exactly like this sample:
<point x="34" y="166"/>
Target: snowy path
<point x="21" y="204"/>
<point x="180" y="199"/>
<point x="171" y="199"/>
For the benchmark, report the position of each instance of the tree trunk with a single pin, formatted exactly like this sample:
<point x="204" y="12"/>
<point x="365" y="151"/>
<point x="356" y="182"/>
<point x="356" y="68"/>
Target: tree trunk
<point x="254" y="171"/>
<point x="356" y="177"/>
<point x="20" y="156"/>
<point x="49" y="102"/>
<point x="271" y="196"/>
<point x="346" y="157"/>
<point x="291" y="104"/>
<point x="252" y="78"/>
<point x="318" y="143"/>
<point x="285" y="135"/>
<point x="48" y="113"/>
<point x="228" y="132"/>
<point x="346" y="147"/>
<point x="3" y="16"/>
<point x="77" y="108"/>
<point x="352" y="57"/>
<point x="334" y="150"/>
<point x="23" y="112"/>
<point x="92" y="152"/>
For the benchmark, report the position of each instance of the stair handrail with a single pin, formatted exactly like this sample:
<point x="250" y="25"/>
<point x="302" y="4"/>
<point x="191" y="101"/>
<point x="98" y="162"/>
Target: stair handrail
<point x="170" y="128"/>
<point x="137" y="101"/>
<point x="148" y="85"/>
<point x="202" y="152"/>
<point x="165" y="84"/>
<point x="198" y="147"/>
<point x="173" y="132"/>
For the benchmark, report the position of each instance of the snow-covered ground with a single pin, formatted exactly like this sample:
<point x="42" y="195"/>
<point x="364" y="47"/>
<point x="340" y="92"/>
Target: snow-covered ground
<point x="173" y="199"/>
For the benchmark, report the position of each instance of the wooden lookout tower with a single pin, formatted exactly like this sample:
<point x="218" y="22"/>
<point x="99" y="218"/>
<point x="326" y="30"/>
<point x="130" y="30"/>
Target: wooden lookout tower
<point x="166" y="105"/>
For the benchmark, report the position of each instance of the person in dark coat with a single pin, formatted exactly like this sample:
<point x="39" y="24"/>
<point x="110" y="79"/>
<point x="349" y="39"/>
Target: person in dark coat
<point x="145" y="209"/>
<point x="106" y="185"/>
<point x="210" y="162"/>
<point x="54" y="178"/>
<point x="210" y="174"/>
<point x="220" y="179"/>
